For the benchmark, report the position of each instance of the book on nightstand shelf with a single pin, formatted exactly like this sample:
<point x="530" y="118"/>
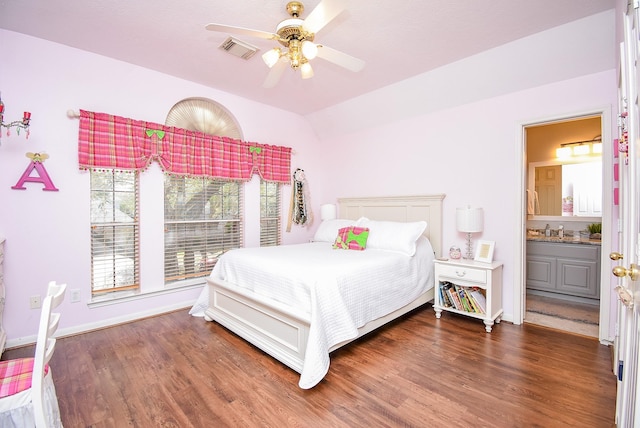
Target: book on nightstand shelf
<point x="447" y="292"/>
<point x="466" y="299"/>
<point x="479" y="298"/>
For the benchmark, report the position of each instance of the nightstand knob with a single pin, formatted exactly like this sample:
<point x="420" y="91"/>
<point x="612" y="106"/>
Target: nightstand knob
<point x="461" y="274"/>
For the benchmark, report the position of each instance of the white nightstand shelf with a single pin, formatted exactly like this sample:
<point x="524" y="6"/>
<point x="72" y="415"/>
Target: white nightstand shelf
<point x="469" y="288"/>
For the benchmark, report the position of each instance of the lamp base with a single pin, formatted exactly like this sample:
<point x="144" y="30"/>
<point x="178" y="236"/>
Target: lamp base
<point x="469" y="254"/>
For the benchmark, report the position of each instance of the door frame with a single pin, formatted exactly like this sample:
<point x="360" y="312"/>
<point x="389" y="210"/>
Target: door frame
<point x="605" y="335"/>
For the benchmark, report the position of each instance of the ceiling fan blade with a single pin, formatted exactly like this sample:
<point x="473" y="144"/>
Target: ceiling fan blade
<point x="241" y="31"/>
<point x="340" y="58"/>
<point x="275" y="73"/>
<point x="324" y="12"/>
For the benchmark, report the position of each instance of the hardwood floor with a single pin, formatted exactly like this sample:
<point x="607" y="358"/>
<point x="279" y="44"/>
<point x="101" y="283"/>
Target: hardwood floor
<point x="174" y="370"/>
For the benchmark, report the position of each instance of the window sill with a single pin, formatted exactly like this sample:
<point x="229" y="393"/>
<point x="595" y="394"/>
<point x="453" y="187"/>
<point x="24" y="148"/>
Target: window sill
<point x="128" y="296"/>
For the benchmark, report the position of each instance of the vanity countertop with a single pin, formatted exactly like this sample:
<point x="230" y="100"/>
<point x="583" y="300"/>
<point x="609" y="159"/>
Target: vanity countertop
<point x="566" y="240"/>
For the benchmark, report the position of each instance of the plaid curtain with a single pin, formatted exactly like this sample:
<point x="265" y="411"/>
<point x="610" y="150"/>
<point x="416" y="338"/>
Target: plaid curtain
<point x="107" y="141"/>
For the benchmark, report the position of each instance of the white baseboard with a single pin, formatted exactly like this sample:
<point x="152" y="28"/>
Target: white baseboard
<point x="85" y="328"/>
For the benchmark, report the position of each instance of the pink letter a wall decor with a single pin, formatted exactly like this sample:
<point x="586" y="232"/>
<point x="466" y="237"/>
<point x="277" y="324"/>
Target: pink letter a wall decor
<point x="43" y="176"/>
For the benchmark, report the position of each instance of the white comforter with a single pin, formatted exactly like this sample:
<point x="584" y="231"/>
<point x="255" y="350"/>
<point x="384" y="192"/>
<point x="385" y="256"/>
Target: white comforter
<point x="342" y="290"/>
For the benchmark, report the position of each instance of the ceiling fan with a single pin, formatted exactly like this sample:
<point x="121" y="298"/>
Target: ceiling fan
<point x="296" y="35"/>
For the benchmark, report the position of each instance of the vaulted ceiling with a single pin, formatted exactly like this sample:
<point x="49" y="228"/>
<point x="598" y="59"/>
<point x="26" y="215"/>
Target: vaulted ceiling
<point x="396" y="39"/>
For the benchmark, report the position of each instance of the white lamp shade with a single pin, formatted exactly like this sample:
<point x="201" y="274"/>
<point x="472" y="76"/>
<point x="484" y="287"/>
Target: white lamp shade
<point x="328" y="212"/>
<point x="469" y="220"/>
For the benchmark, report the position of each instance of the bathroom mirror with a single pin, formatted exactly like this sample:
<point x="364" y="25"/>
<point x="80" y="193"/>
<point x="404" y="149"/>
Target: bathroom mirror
<point x="564" y="189"/>
<point x="550" y="149"/>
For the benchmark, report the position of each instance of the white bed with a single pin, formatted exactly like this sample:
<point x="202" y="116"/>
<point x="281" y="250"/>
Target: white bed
<point x="301" y="320"/>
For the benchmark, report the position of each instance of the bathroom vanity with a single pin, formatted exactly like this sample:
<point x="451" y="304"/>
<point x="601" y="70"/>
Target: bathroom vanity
<point x="566" y="267"/>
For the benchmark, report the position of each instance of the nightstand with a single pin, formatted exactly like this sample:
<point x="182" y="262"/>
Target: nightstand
<point x="469" y="288"/>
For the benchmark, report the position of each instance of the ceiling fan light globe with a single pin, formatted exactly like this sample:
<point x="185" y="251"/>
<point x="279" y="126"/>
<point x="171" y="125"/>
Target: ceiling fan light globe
<point x="306" y="71"/>
<point x="309" y="49"/>
<point x="271" y="57"/>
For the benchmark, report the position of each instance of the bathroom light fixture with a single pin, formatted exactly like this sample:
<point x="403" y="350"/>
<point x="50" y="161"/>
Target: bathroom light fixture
<point x="18" y="124"/>
<point x="579" y="148"/>
<point x="469" y="220"/>
<point x="563" y="152"/>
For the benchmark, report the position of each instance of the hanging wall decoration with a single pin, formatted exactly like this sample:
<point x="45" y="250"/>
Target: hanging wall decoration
<point x="42" y="175"/>
<point x="299" y="212"/>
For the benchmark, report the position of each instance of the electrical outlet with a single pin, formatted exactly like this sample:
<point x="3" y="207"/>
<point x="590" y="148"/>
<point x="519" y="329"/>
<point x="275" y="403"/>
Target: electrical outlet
<point x="75" y="295"/>
<point x="35" y="302"/>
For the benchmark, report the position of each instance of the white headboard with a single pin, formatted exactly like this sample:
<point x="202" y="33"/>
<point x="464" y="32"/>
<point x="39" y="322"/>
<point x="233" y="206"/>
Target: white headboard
<point x="399" y="208"/>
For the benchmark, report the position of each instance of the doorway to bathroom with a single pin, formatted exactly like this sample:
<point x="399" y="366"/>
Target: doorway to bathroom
<point x="561" y="266"/>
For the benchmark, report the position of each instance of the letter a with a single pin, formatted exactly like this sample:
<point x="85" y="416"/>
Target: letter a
<point x="42" y="177"/>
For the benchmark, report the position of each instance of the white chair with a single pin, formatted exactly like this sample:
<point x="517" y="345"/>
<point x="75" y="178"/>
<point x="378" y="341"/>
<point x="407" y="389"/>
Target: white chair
<point x="27" y="394"/>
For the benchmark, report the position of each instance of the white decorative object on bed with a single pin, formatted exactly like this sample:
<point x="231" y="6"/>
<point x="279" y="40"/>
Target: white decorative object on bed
<point x="325" y="297"/>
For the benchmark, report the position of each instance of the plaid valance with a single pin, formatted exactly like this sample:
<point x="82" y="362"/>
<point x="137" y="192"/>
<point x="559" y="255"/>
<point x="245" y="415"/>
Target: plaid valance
<point x="107" y="141"/>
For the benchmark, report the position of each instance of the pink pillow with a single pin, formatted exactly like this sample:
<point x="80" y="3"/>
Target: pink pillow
<point x="352" y="238"/>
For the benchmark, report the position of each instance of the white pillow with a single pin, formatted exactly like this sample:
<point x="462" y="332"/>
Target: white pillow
<point x="328" y="229"/>
<point x="393" y="235"/>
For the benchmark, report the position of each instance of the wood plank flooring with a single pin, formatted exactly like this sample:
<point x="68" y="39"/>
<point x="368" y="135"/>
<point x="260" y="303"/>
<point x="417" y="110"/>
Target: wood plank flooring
<point x="174" y="370"/>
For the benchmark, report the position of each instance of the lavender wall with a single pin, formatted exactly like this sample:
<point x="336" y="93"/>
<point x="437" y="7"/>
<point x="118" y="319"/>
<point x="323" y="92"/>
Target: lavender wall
<point x="458" y="130"/>
<point x="48" y="232"/>
<point x="471" y="153"/>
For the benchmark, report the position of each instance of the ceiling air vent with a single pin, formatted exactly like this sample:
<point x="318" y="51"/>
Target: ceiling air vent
<point x="237" y="48"/>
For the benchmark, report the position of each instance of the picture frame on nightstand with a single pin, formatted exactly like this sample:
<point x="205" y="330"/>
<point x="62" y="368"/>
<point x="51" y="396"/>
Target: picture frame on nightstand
<point x="484" y="251"/>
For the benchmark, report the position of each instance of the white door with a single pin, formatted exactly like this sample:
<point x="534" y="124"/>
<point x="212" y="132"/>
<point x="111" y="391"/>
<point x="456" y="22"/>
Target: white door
<point x="627" y="343"/>
<point x="548" y="184"/>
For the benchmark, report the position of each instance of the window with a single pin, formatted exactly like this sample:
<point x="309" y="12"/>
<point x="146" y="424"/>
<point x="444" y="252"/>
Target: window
<point x="202" y="220"/>
<point x="269" y="213"/>
<point x="203" y="217"/>
<point x="114" y="231"/>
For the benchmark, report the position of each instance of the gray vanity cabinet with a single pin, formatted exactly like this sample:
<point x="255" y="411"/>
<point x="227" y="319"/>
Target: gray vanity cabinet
<point x="570" y="269"/>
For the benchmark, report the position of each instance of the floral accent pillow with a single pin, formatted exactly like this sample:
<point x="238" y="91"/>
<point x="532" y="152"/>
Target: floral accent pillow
<point x="352" y="238"/>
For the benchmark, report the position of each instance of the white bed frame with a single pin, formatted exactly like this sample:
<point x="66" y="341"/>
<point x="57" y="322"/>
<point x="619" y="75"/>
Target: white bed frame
<point x="282" y="331"/>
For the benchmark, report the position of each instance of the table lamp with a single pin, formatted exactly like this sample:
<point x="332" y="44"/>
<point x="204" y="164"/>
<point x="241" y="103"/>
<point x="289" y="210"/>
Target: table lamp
<point x="469" y="220"/>
<point x="328" y="212"/>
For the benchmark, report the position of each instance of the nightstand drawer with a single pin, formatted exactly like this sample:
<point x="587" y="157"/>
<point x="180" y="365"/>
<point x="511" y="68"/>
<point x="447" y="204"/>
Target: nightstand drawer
<point x="463" y="272"/>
